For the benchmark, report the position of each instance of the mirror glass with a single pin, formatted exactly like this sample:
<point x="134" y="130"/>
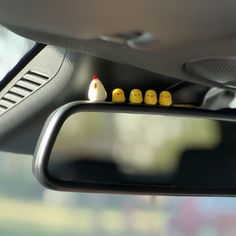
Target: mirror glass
<point x="113" y="148"/>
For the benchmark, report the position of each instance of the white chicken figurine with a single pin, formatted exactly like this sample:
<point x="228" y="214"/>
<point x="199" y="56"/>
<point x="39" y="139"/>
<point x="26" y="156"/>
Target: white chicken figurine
<point x="96" y="92"/>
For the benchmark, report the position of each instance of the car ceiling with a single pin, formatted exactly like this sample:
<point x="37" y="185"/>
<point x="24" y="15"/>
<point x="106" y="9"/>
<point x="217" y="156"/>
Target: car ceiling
<point x="181" y="31"/>
<point x="172" y="22"/>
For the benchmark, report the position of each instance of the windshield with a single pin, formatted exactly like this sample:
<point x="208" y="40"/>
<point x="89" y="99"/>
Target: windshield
<point x="29" y="209"/>
<point x="12" y="49"/>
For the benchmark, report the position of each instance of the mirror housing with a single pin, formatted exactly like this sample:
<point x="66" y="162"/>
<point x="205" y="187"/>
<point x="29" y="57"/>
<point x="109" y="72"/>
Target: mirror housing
<point x="57" y="119"/>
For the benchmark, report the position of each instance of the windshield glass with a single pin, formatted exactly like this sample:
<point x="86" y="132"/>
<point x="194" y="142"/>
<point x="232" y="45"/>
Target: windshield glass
<point x="12" y="49"/>
<point x="29" y="209"/>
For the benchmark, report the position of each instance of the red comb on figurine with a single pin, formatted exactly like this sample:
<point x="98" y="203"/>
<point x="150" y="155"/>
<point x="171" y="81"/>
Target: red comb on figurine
<point x="95" y="77"/>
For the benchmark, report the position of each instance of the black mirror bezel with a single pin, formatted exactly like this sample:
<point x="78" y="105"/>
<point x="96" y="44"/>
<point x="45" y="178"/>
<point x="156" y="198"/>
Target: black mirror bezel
<point x="57" y="118"/>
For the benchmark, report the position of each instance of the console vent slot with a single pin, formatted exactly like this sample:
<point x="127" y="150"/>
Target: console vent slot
<point x="23" y="88"/>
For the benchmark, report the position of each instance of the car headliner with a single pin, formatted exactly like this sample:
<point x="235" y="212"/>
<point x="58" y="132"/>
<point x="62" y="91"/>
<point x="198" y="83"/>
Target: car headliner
<point x="184" y="29"/>
<point x="172" y="22"/>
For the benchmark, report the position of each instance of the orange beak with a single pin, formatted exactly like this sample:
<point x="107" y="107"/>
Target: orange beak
<point x="95" y="85"/>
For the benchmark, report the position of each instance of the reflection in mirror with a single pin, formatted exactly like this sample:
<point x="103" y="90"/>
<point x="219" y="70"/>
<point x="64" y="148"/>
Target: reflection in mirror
<point x="140" y="148"/>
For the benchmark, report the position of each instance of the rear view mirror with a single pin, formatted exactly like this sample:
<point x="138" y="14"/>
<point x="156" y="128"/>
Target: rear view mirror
<point x="137" y="149"/>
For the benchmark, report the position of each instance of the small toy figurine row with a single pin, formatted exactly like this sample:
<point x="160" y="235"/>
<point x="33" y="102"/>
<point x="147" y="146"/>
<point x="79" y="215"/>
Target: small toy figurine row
<point x="136" y="97"/>
<point x="97" y="93"/>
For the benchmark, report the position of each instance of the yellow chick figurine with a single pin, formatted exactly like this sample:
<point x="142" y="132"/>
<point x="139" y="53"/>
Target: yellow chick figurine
<point x="150" y="97"/>
<point x="165" y="98"/>
<point x="118" y="95"/>
<point x="136" y="96"/>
